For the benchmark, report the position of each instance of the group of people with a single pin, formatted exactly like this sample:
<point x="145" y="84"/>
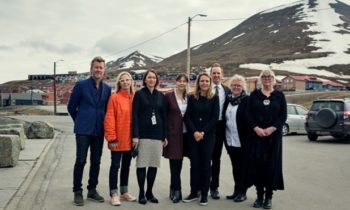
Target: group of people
<point x="148" y="124"/>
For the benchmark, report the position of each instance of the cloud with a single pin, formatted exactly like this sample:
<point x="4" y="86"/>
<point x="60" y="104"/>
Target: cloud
<point x="5" y="48"/>
<point x="42" y="46"/>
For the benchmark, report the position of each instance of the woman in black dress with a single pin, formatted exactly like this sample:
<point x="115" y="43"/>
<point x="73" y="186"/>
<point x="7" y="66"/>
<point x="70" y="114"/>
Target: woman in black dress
<point x="266" y="114"/>
<point x="201" y="117"/>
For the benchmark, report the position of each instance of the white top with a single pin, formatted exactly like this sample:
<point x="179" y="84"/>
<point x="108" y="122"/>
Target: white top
<point x="221" y="97"/>
<point x="232" y="137"/>
<point x="182" y="106"/>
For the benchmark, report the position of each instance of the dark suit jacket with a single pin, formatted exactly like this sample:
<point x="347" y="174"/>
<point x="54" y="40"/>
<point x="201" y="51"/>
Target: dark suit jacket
<point x="87" y="109"/>
<point x="202" y="115"/>
<point x="174" y="150"/>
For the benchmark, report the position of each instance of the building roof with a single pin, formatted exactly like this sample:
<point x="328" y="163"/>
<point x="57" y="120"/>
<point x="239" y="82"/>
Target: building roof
<point x="306" y="78"/>
<point x="331" y="83"/>
<point x="22" y="96"/>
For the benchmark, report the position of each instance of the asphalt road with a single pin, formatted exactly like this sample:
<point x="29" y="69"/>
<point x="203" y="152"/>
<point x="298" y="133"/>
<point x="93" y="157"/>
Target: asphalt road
<point x="317" y="176"/>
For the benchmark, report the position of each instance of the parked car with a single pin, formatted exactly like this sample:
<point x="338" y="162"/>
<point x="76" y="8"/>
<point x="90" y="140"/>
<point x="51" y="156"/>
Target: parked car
<point x="328" y="117"/>
<point x="295" y="119"/>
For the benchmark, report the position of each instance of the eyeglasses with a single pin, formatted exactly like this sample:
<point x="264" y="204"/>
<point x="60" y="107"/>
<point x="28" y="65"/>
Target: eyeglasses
<point x="266" y="77"/>
<point x="236" y="86"/>
<point x="124" y="80"/>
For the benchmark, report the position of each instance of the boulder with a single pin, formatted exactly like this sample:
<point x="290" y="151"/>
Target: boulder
<point x="5" y="121"/>
<point x="40" y="130"/>
<point x="19" y="131"/>
<point x="9" y="150"/>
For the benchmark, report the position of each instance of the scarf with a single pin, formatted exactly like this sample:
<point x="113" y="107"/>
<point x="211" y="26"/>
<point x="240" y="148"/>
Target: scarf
<point x="236" y="100"/>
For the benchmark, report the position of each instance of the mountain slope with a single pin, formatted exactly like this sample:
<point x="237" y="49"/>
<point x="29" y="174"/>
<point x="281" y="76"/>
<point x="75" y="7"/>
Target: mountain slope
<point x="134" y="60"/>
<point x="307" y="36"/>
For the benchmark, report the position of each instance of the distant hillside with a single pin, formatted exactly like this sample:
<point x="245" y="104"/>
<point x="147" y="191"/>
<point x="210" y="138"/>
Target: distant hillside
<point x="304" y="37"/>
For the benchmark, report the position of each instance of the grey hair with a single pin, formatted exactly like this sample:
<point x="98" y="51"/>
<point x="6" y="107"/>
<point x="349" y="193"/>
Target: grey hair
<point x="238" y="77"/>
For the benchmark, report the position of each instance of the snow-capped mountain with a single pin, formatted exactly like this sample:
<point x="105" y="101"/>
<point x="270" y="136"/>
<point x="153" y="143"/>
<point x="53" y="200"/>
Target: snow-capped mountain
<point x="306" y="37"/>
<point x="133" y="60"/>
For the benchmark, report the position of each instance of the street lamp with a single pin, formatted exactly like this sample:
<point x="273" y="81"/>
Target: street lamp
<point x="188" y="66"/>
<point x="54" y="87"/>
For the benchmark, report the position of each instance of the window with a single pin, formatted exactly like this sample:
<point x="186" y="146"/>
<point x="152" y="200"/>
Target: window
<point x="301" y="110"/>
<point x="291" y="109"/>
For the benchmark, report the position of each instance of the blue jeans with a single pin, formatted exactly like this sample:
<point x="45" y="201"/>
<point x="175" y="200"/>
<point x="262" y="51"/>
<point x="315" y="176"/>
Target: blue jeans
<point x="83" y="142"/>
<point x="125" y="158"/>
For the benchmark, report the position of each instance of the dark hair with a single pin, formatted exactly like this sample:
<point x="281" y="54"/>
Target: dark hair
<point x="98" y="59"/>
<point x="181" y="76"/>
<point x="145" y="75"/>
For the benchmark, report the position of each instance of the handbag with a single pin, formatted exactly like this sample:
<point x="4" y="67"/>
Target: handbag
<point x="134" y="152"/>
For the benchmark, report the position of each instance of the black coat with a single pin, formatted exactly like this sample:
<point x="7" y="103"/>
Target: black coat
<point x="144" y="104"/>
<point x="271" y="113"/>
<point x="202" y="115"/>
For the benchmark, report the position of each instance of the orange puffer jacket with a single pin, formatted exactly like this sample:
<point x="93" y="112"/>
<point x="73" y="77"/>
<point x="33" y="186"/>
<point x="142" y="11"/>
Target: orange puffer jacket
<point x="117" y="124"/>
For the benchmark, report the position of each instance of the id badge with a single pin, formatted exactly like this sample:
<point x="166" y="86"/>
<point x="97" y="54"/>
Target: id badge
<point x="153" y="119"/>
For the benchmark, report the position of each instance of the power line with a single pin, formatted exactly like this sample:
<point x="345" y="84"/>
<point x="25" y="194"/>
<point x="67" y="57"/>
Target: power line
<point x="139" y="44"/>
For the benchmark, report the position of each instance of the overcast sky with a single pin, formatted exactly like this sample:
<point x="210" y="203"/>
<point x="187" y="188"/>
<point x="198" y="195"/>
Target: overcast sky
<point x="35" y="33"/>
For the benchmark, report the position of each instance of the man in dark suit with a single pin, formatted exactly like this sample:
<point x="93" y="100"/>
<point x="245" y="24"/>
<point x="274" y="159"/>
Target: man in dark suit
<point x="217" y="73"/>
<point x="87" y="107"/>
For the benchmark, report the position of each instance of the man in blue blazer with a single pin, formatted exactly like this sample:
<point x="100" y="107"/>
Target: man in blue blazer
<point x="87" y="107"/>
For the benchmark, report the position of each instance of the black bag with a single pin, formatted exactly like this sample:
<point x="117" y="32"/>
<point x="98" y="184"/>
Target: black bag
<point x="134" y="152"/>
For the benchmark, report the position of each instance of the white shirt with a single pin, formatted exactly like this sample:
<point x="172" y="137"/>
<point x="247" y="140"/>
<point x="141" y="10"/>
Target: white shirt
<point x="221" y="97"/>
<point x="182" y="104"/>
<point x="232" y="137"/>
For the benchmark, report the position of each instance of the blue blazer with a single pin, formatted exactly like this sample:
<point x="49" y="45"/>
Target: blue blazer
<point x="87" y="109"/>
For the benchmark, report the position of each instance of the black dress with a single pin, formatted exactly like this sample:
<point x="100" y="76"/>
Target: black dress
<point x="264" y="112"/>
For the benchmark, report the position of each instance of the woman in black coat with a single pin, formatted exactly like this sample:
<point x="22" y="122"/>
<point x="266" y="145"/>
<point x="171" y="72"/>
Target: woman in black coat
<point x="236" y="134"/>
<point x="148" y="133"/>
<point x="201" y="117"/>
<point x="266" y="115"/>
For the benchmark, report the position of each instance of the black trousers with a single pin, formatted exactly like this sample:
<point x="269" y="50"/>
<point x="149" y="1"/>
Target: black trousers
<point x="264" y="178"/>
<point x="83" y="143"/>
<point x="236" y="157"/>
<point x="200" y="157"/>
<point x="216" y="156"/>
<point x="116" y="158"/>
<point x="175" y="174"/>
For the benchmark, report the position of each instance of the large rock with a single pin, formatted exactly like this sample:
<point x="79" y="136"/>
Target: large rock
<point x="19" y="131"/>
<point x="9" y="150"/>
<point x="4" y="121"/>
<point x="40" y="130"/>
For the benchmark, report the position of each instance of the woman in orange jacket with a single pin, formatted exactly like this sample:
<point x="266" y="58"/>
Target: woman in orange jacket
<point x="117" y="127"/>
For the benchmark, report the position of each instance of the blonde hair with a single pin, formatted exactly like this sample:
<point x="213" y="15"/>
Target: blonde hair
<point x="238" y="77"/>
<point x="118" y="86"/>
<point x="209" y="93"/>
<point x="267" y="72"/>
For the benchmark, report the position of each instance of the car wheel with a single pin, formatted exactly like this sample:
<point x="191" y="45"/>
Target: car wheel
<point x="326" y="118"/>
<point x="312" y="136"/>
<point x="285" y="130"/>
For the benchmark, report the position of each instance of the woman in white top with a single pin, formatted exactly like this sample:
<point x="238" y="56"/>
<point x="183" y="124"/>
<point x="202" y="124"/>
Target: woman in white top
<point x="176" y="103"/>
<point x="236" y="134"/>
